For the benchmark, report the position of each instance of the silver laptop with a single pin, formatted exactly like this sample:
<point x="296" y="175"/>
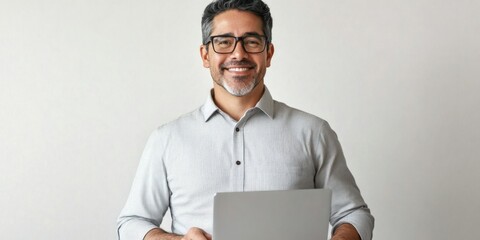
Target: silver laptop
<point x="272" y="215"/>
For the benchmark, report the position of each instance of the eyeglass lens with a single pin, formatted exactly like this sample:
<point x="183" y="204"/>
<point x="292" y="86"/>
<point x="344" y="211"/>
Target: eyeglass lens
<point x="227" y="44"/>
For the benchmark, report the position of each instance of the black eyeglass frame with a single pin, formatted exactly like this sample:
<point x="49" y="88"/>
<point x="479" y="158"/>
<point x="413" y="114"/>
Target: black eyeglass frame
<point x="237" y="39"/>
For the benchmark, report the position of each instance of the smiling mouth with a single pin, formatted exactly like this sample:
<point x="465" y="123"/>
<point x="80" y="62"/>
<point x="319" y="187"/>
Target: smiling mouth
<point x="239" y="69"/>
<point x="242" y="66"/>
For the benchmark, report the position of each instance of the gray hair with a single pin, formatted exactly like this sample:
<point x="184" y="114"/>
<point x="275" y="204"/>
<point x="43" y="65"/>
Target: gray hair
<point x="257" y="7"/>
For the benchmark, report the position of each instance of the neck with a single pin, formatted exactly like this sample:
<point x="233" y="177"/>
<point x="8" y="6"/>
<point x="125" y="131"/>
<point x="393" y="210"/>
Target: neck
<point x="236" y="106"/>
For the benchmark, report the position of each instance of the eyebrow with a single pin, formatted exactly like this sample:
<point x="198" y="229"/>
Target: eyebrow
<point x="232" y="35"/>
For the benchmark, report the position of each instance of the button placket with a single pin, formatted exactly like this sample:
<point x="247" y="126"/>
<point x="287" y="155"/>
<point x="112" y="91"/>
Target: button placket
<point x="238" y="158"/>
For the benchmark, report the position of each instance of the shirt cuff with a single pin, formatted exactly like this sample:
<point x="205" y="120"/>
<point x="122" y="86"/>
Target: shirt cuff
<point x="362" y="222"/>
<point x="134" y="230"/>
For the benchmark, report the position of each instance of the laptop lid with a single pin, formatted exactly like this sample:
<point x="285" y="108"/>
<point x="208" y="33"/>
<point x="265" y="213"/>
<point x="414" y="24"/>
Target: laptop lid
<point x="272" y="215"/>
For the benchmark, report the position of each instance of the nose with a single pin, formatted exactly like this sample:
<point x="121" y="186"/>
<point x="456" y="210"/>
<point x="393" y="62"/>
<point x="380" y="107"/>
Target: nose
<point x="239" y="52"/>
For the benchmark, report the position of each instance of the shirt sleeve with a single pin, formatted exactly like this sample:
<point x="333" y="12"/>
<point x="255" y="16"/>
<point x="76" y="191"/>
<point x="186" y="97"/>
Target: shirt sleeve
<point x="149" y="195"/>
<point x="332" y="173"/>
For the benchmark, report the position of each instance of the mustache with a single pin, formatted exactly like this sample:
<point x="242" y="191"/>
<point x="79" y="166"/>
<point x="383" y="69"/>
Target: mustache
<point x="243" y="62"/>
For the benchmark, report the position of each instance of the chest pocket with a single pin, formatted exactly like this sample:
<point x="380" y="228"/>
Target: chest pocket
<point x="279" y="174"/>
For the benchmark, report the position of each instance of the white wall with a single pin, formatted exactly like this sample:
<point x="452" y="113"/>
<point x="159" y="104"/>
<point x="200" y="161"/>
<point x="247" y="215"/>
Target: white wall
<point x="83" y="83"/>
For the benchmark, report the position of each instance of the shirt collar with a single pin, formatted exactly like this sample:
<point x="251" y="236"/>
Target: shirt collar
<point x="209" y="108"/>
<point x="265" y="104"/>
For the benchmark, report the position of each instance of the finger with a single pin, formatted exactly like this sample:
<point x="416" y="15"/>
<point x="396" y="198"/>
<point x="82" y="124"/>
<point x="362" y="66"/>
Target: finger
<point x="195" y="233"/>
<point x="206" y="235"/>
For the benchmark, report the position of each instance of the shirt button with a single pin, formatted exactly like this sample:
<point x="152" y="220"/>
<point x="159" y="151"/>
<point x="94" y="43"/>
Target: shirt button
<point x="237" y="129"/>
<point x="238" y="162"/>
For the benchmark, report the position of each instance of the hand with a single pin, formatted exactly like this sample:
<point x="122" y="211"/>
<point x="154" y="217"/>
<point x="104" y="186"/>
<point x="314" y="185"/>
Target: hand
<point x="338" y="238"/>
<point x="196" y="234"/>
<point x="345" y="232"/>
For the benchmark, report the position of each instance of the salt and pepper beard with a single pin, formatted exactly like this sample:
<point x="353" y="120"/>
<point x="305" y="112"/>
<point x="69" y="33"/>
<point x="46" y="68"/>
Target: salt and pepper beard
<point x="238" y="92"/>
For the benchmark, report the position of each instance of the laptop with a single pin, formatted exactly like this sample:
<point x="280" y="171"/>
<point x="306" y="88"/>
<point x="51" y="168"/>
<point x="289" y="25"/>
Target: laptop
<point x="272" y="215"/>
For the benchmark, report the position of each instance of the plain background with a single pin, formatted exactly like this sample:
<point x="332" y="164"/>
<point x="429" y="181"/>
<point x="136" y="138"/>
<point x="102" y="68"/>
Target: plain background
<point x="83" y="84"/>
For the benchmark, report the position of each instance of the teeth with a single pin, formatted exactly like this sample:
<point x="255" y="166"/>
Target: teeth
<point x="238" y="69"/>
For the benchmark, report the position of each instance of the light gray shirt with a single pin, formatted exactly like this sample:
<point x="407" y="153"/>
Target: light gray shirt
<point x="272" y="147"/>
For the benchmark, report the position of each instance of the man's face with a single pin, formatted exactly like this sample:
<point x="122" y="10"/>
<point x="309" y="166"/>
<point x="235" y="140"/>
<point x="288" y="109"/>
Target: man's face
<point x="238" y="72"/>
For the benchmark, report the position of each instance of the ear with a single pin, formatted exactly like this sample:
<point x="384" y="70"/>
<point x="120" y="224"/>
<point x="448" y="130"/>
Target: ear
<point x="271" y="50"/>
<point x="204" y="56"/>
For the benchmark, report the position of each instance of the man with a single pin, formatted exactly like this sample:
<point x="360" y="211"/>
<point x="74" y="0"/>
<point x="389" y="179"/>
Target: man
<point x="239" y="140"/>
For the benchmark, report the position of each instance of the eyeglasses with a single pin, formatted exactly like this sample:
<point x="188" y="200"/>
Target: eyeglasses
<point x="226" y="44"/>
